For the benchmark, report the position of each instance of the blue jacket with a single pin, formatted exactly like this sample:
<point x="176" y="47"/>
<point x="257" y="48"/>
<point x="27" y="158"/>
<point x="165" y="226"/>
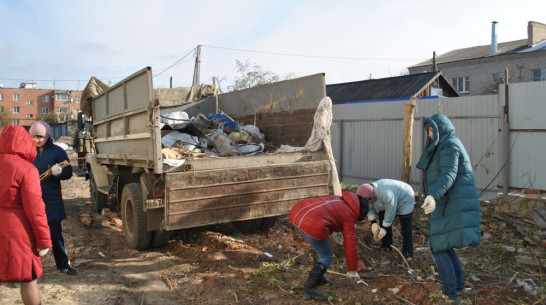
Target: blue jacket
<point x="456" y="221"/>
<point x="51" y="186"/>
<point x="394" y="197"/>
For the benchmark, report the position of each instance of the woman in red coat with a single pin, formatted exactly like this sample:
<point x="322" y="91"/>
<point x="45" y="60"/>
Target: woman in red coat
<point x="23" y="229"/>
<point x="316" y="219"/>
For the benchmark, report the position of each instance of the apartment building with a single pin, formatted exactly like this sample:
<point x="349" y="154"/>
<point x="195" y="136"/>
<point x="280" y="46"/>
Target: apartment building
<point x="25" y="104"/>
<point x="479" y="70"/>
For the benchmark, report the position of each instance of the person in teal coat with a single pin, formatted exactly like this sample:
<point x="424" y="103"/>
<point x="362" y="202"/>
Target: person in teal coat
<point x="451" y="200"/>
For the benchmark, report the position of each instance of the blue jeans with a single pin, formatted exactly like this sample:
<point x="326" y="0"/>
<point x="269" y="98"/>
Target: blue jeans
<point x="57" y="239"/>
<point x="450" y="271"/>
<point x="323" y="248"/>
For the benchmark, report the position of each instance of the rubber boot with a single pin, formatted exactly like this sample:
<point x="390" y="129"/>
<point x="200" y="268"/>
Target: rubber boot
<point x="323" y="281"/>
<point x="309" y="290"/>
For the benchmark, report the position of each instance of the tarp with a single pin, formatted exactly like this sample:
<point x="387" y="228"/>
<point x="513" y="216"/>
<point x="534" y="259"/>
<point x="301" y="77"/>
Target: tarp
<point x="93" y="88"/>
<point x="183" y="95"/>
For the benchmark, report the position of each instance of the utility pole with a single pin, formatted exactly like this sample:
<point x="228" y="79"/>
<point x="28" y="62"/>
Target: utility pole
<point x="197" y="67"/>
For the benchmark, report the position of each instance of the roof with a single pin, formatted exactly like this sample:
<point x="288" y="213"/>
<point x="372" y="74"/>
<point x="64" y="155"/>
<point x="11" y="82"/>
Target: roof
<point x="391" y="88"/>
<point x="503" y="48"/>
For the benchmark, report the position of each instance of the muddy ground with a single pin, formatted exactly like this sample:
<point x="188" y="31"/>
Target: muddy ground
<point x="218" y="265"/>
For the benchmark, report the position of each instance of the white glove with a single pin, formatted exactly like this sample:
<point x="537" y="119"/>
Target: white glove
<point x="429" y="205"/>
<point x="375" y="229"/>
<point x="56" y="170"/>
<point x="353" y="275"/>
<point x="382" y="233"/>
<point x="43" y="252"/>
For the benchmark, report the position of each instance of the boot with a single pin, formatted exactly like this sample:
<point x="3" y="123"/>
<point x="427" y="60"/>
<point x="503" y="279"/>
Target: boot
<point x="309" y="290"/>
<point x="323" y="281"/>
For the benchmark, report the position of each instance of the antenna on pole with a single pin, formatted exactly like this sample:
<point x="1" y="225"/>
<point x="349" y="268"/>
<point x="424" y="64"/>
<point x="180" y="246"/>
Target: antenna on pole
<point x="197" y="67"/>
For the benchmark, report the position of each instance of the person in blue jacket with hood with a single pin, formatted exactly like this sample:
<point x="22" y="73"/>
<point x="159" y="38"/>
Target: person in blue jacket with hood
<point x="451" y="200"/>
<point x="48" y="157"/>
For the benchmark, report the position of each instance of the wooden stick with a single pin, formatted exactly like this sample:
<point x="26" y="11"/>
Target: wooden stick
<point x="47" y="173"/>
<point x="338" y="273"/>
<point x="405" y="261"/>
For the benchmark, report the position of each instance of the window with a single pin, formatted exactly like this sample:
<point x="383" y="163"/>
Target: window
<point x="77" y="99"/>
<point x="1" y="96"/>
<point x="16" y="109"/>
<point x="62" y="109"/>
<point x="45" y="98"/>
<point x="45" y="110"/>
<point x="462" y="84"/>
<point x="29" y="103"/>
<point x="539" y="75"/>
<point x="16" y="97"/>
<point x="29" y="115"/>
<point x="1" y="108"/>
<point x="15" y="122"/>
<point x="62" y="97"/>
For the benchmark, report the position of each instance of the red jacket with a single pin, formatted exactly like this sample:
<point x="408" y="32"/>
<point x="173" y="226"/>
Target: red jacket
<point x="320" y="217"/>
<point x="24" y="227"/>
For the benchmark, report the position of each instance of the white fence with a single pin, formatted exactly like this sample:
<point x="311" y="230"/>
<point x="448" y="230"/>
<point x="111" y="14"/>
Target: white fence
<point x="367" y="137"/>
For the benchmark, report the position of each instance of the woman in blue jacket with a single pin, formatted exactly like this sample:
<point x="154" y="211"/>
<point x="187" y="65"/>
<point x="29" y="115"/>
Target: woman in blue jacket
<point x="451" y="200"/>
<point x="389" y="198"/>
<point x="48" y="157"/>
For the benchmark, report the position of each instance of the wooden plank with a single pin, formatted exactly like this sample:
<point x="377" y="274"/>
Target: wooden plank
<point x="211" y="197"/>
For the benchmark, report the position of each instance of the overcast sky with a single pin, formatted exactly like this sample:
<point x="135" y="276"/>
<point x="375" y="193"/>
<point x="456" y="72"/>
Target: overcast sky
<point x="63" y="43"/>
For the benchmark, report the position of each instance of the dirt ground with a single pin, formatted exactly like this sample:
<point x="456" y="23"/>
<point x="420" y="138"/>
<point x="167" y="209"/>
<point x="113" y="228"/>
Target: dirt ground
<point x="218" y="265"/>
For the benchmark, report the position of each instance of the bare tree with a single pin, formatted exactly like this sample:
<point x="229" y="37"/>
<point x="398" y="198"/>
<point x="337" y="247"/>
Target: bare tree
<point x="252" y="75"/>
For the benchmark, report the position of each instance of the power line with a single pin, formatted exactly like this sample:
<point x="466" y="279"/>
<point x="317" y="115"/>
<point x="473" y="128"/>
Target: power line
<point x="311" y="56"/>
<point x="166" y="69"/>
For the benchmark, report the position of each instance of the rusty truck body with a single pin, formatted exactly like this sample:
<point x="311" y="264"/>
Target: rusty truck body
<point x="251" y="191"/>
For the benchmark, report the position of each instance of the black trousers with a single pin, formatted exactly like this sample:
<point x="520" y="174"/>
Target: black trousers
<point x="59" y="249"/>
<point x="406" y="222"/>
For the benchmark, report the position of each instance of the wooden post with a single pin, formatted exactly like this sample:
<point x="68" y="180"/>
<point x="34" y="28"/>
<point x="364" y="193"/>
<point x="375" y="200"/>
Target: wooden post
<point x="407" y="137"/>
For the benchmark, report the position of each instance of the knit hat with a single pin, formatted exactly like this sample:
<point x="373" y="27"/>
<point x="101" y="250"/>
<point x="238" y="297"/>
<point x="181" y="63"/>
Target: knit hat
<point x="365" y="190"/>
<point x="39" y="128"/>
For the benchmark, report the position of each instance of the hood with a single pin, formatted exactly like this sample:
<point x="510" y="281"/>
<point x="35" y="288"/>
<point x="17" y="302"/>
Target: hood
<point x="17" y="141"/>
<point x="442" y="129"/>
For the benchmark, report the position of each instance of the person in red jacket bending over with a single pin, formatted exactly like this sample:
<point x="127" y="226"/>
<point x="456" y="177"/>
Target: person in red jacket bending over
<point x="316" y="219"/>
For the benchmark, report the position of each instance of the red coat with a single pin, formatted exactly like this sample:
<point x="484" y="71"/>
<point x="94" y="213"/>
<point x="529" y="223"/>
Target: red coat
<point x="320" y="217"/>
<point x="23" y="225"/>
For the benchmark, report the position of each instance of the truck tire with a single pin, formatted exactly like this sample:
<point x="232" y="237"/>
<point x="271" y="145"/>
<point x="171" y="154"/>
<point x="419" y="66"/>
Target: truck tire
<point x="268" y="222"/>
<point x="248" y="226"/>
<point x="98" y="200"/>
<point x="134" y="218"/>
<point x="160" y="238"/>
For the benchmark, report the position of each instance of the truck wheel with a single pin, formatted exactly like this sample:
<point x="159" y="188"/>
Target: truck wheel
<point x="134" y="218"/>
<point x="268" y="222"/>
<point x="160" y="238"/>
<point x="248" y="226"/>
<point x="98" y="200"/>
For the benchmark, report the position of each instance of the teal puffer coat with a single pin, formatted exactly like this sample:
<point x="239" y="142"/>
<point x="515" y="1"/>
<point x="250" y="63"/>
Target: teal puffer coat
<point x="455" y="223"/>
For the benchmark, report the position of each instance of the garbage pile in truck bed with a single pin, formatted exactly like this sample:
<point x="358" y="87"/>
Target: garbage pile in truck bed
<point x="212" y="135"/>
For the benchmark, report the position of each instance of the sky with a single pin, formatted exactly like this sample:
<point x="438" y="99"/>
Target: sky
<point x="61" y="44"/>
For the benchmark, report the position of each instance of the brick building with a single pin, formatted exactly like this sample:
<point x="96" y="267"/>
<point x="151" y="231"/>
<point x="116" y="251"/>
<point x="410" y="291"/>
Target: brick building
<point x="24" y="104"/>
<point x="480" y="69"/>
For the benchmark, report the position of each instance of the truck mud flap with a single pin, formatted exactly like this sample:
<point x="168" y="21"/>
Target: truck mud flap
<point x="209" y="197"/>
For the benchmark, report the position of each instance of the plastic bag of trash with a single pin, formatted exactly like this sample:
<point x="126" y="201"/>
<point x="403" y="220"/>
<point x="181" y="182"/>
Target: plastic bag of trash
<point x="175" y="120"/>
<point x="255" y="135"/>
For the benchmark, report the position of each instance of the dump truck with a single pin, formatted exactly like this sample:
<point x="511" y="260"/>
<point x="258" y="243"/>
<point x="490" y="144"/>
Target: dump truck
<point x="249" y="191"/>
